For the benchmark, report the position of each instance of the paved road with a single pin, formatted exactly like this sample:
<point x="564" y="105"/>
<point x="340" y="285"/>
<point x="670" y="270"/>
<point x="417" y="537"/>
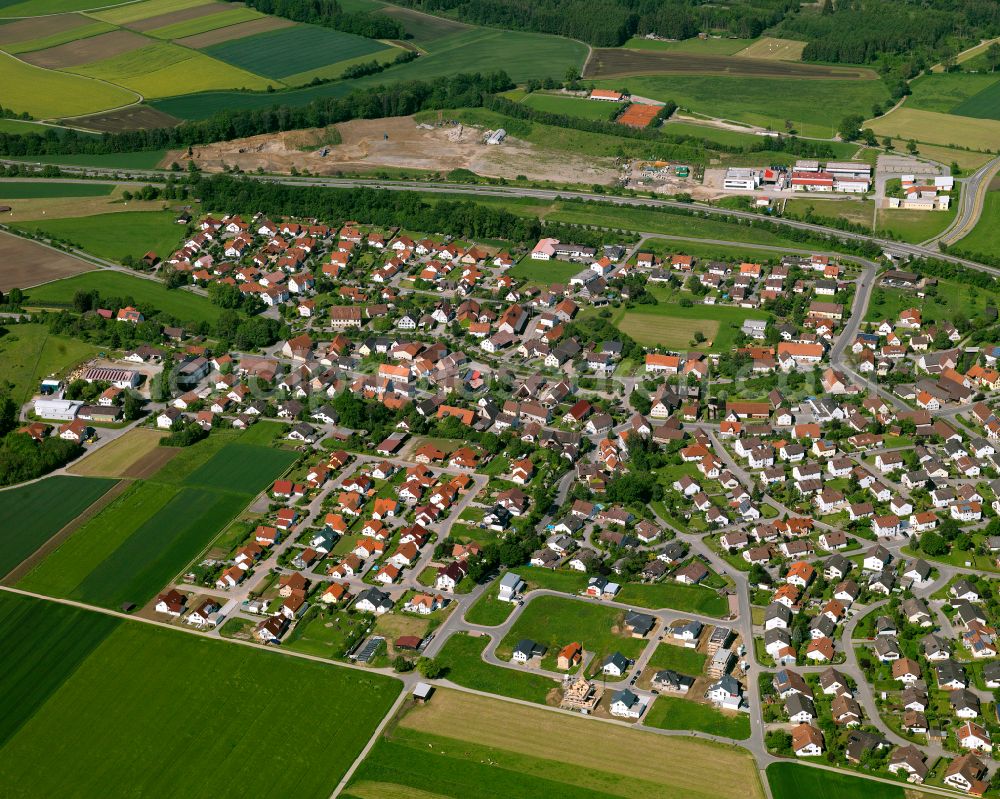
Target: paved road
<point x="895" y="247"/>
<point x="970" y="206"/>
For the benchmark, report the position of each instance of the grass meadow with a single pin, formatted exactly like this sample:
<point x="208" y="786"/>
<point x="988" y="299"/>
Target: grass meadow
<point x="114" y="236"/>
<point x="14" y="190"/>
<point x="184" y="305"/>
<point x="985" y="236"/>
<point x="790" y="780"/>
<point x="46" y="94"/>
<point x="462" y="655"/>
<point x="42" y="509"/>
<point x="675" y="713"/>
<point x="29" y="352"/>
<point x="182" y="715"/>
<point x="814" y="106"/>
<point x="571" y="106"/>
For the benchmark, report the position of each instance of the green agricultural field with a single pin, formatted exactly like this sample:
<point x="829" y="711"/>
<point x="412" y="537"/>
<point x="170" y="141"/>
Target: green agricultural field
<point x="84" y="31"/>
<point x="29" y="352"/>
<point x="674" y="713"/>
<point x="126" y="13"/>
<point x="164" y="70"/>
<point x="32" y="8"/>
<point x="936" y="128"/>
<point x="242" y="468"/>
<point x="443" y="749"/>
<point x="146" y="536"/>
<point x="790" y="780"/>
<point x="44" y="643"/>
<point x="424" y="29"/>
<point x="19" y="190"/>
<point x="115" y="236"/>
<point x="74" y="666"/>
<point x="557" y="621"/>
<point x="687" y="598"/>
<point x="212" y="22"/>
<point x="333" y="70"/>
<point x="21" y="126"/>
<point x="695" y="46"/>
<point x="42" y="509"/>
<point x="572" y="106"/>
<point x="278" y="54"/>
<point x="462" y="656"/>
<point x="46" y="94"/>
<point x="983" y="105"/>
<point x="814" y="106"/>
<point x="943" y="91"/>
<point x="985" y="236"/>
<point x="184" y="305"/>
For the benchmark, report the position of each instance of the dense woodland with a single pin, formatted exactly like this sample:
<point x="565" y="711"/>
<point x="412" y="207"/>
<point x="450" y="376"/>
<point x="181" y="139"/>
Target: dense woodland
<point x="608" y="23"/>
<point x="330" y="14"/>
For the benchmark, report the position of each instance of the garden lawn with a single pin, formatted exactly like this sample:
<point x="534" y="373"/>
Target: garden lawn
<point x="18" y="190"/>
<point x="544" y="271"/>
<point x="148" y="685"/>
<point x="29" y="353"/>
<point x="46" y="94"/>
<point x="687" y="598"/>
<point x="462" y="655"/>
<point x="675" y="326"/>
<point x="569" y="582"/>
<point x="114" y="236"/>
<point x="42" y="509"/>
<point x="186" y="306"/>
<point x="792" y="781"/>
<point x="557" y="621"/>
<point x="674" y="713"/>
<point x="678" y="658"/>
<point x="488" y="610"/>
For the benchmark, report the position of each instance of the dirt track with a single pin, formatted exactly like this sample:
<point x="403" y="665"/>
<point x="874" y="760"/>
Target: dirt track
<point x="399" y="143"/>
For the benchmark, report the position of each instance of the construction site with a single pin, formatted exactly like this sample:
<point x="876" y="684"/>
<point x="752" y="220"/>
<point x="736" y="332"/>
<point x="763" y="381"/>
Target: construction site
<point x="399" y="143"/>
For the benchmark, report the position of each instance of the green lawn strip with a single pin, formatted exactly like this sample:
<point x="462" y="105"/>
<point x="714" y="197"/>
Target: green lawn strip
<point x="572" y="106"/>
<point x="184" y="305"/>
<point x="147" y="686"/>
<point x="569" y="582"/>
<point x="28" y="353"/>
<point x="115" y="235"/>
<point x="328" y="636"/>
<point x="674" y="713"/>
<point x="557" y="621"/>
<point x="462" y="655"/>
<point x="790" y="781"/>
<point x="43" y="644"/>
<point x="27" y="189"/>
<point x="985" y="236"/>
<point x="689" y="598"/>
<point x="142" y="159"/>
<point x="42" y="509"/>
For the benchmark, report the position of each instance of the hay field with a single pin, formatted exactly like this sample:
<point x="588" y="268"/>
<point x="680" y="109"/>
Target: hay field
<point x="666" y="331"/>
<point x="676" y="764"/>
<point x="84" y="51"/>
<point x="45" y="94"/>
<point x="133" y="12"/>
<point x="119" y="458"/>
<point x="937" y="128"/>
<point x="770" y="47"/>
<point x="238" y="31"/>
<point x="202" y="24"/>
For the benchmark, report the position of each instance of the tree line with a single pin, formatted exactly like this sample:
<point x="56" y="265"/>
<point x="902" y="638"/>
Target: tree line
<point x="399" y="99"/>
<point x="331" y="14"/>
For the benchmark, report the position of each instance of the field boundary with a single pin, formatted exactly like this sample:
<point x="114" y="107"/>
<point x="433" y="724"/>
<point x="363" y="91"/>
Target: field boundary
<point x="56" y="540"/>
